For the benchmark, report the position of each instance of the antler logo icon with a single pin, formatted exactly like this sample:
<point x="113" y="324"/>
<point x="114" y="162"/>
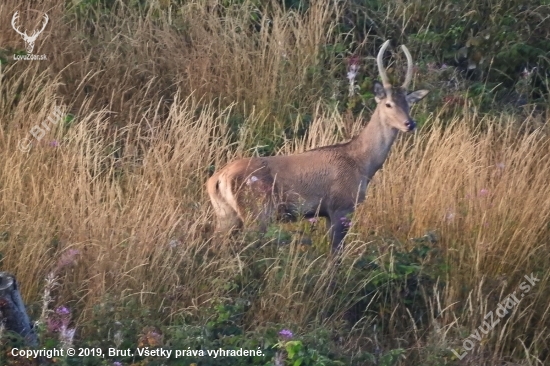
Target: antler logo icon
<point x="29" y="39"/>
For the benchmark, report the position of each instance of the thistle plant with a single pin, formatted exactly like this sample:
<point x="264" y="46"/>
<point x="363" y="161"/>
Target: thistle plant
<point x="57" y="321"/>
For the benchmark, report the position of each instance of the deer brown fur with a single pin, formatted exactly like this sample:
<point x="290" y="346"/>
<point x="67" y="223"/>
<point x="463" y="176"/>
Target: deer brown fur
<point x="326" y="182"/>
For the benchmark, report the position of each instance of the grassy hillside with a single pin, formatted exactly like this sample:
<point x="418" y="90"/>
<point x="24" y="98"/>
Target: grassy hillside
<point x="105" y="148"/>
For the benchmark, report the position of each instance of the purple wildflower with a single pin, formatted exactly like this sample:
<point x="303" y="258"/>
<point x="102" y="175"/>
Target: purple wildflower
<point x="345" y="221"/>
<point x="54" y="143"/>
<point x="62" y="310"/>
<point x="53" y="325"/>
<point x="117" y="363"/>
<point x="59" y="320"/>
<point x="286" y="334"/>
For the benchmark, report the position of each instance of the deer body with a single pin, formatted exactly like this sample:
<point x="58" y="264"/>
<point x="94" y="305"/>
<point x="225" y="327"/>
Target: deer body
<point x="326" y="182"/>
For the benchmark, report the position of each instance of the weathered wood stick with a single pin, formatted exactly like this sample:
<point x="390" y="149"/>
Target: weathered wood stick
<point x="12" y="310"/>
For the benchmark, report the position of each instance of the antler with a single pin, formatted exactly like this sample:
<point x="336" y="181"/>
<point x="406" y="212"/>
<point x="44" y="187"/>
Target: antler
<point x="13" y="20"/>
<point x="36" y="33"/>
<point x="380" y="62"/>
<point x="382" y="70"/>
<point x="408" y="77"/>
<point x="44" y="23"/>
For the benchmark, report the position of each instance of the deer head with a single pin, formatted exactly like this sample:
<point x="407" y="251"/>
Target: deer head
<point x="395" y="102"/>
<point x="29" y="39"/>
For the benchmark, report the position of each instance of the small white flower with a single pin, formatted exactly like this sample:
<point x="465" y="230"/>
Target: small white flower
<point x="251" y="180"/>
<point x="352" y="73"/>
<point x="450" y="216"/>
<point x="66" y="336"/>
<point x="174" y="243"/>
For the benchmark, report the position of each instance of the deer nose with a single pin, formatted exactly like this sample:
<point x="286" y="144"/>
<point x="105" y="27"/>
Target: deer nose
<point x="410" y="124"/>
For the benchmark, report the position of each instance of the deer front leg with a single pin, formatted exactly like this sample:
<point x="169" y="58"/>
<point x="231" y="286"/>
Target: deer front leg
<point x="339" y="225"/>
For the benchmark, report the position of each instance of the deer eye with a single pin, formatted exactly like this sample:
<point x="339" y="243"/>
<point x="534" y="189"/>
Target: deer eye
<point x="388" y="105"/>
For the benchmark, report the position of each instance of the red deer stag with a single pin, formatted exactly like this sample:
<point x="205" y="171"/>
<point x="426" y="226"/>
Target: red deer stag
<point x="326" y="182"/>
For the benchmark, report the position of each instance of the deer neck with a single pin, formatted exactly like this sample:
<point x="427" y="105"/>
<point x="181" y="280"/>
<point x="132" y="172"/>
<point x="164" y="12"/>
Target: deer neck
<point x="372" y="146"/>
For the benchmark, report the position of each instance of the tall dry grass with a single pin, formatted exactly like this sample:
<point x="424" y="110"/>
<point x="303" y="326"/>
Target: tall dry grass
<point x="483" y="195"/>
<point x="153" y="113"/>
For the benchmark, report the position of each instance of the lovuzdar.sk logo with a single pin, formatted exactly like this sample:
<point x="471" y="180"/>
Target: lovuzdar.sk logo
<point x="29" y="36"/>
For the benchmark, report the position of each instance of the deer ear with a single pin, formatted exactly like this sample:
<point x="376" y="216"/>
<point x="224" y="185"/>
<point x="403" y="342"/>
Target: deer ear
<point x="416" y="96"/>
<point x="379" y="91"/>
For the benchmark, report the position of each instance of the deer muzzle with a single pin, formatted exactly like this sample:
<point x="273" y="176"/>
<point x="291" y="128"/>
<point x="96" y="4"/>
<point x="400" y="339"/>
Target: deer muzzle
<point x="410" y="124"/>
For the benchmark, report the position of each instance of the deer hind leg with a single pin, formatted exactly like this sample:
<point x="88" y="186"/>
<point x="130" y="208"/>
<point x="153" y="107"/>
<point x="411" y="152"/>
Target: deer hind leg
<point x="224" y="203"/>
<point x="256" y="195"/>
